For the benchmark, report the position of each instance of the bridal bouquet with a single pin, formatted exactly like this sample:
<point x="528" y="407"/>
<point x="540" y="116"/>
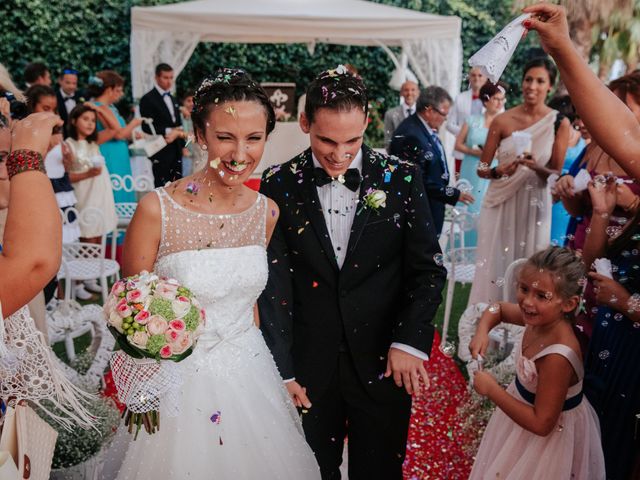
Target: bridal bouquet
<point x="156" y="323"/>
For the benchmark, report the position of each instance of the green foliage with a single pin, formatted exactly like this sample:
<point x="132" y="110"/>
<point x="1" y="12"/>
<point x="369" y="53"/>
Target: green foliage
<point x="92" y="35"/>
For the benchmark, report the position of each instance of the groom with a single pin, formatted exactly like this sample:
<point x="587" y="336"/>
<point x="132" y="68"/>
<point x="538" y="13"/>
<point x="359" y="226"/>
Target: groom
<point x="353" y="285"/>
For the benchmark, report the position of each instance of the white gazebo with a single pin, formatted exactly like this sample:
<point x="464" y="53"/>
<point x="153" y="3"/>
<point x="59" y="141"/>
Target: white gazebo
<point x="170" y="33"/>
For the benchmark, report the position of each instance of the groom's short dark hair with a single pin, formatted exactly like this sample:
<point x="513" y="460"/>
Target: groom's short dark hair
<point x="337" y="89"/>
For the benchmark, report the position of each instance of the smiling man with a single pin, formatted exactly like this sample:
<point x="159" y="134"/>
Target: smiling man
<point x="353" y="285"/>
<point x="394" y="116"/>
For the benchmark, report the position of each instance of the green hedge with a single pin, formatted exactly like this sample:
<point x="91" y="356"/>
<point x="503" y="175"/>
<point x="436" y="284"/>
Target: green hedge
<point x="91" y="35"/>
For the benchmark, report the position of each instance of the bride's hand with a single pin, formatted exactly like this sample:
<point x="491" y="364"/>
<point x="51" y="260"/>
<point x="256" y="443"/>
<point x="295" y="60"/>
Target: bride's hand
<point x="298" y="394"/>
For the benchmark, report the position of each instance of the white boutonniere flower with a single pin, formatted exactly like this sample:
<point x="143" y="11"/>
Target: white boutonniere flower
<point x="375" y="199"/>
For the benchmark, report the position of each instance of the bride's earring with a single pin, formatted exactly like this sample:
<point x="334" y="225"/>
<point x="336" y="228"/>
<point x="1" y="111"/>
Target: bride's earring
<point x="204" y="147"/>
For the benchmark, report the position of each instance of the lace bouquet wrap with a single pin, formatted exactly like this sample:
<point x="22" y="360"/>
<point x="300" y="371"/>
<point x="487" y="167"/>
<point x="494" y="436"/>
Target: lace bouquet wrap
<point x="156" y="323"/>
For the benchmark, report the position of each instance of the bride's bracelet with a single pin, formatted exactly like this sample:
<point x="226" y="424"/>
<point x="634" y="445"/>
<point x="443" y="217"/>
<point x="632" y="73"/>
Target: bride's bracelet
<point x="20" y="161"/>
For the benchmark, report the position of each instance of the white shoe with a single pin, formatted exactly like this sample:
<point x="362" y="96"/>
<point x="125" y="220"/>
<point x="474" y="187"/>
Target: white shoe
<point x="81" y="293"/>
<point x="92" y="286"/>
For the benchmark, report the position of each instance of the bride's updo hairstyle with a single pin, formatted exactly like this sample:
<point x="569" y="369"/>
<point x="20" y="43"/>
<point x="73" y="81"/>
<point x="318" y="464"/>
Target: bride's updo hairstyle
<point x="228" y="85"/>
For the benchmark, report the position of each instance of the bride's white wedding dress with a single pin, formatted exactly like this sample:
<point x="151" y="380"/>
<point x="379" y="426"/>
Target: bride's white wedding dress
<point x="236" y="420"/>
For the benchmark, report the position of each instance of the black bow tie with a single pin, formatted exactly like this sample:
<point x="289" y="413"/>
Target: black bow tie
<point x="351" y="178"/>
<point x="166" y="94"/>
<point x="65" y="98"/>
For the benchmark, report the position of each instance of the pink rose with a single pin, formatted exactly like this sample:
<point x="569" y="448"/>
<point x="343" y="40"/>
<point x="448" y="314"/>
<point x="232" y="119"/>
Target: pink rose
<point x="166" y="352"/>
<point x="183" y="343"/>
<point x="156" y="325"/>
<point x="142" y="317"/>
<point x="172" y="336"/>
<point x="134" y="296"/>
<point x="181" y="306"/>
<point x="123" y="309"/>
<point x="177" y="324"/>
<point x="115" y="321"/>
<point x="166" y="291"/>
<point x="140" y="339"/>
<point x="117" y="288"/>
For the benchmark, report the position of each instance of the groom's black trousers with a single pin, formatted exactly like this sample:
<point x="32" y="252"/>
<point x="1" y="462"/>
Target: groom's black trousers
<point x="376" y="431"/>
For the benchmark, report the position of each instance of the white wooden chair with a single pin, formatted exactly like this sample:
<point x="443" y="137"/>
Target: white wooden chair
<point x="125" y="210"/>
<point x="458" y="260"/>
<point x="86" y="261"/>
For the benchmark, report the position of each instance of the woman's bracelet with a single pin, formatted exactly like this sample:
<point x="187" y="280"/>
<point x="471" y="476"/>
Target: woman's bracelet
<point x="493" y="172"/>
<point x="20" y="161"/>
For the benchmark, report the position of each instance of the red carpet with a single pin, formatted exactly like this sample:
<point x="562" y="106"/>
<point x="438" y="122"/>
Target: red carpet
<point x="434" y="447"/>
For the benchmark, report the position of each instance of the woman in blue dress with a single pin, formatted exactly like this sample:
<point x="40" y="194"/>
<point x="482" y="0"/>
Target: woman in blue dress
<point x="559" y="216"/>
<point x="106" y="88"/>
<point x="612" y="376"/>
<point x="470" y="141"/>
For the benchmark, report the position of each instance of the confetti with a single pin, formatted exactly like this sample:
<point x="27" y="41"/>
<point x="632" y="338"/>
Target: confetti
<point x="315" y="284"/>
<point x="216" y="417"/>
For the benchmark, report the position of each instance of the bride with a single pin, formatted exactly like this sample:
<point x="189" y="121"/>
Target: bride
<point x="209" y="232"/>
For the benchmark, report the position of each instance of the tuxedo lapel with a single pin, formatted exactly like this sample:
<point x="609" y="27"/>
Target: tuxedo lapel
<point x="163" y="107"/>
<point x="434" y="147"/>
<point x="371" y="178"/>
<point x="312" y="205"/>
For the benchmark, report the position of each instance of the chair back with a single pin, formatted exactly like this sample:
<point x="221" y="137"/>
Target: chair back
<point x="509" y="290"/>
<point x="129" y="183"/>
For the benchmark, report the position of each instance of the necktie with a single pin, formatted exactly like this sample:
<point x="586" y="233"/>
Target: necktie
<point x="351" y="178"/>
<point x="437" y="141"/>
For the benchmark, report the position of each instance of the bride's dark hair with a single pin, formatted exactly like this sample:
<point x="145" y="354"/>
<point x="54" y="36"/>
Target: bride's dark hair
<point x="228" y="85"/>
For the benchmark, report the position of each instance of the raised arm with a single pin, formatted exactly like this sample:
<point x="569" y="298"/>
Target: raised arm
<point x="612" y="125"/>
<point x="33" y="234"/>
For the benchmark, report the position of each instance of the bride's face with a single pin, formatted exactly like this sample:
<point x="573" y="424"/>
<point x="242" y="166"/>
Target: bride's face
<point x="236" y="135"/>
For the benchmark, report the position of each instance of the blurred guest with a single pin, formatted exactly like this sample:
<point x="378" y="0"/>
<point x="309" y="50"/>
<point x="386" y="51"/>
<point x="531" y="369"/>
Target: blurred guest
<point x="159" y="105"/>
<point x="471" y="140"/>
<point x="559" y="216"/>
<point x="515" y="218"/>
<point x="37" y="73"/>
<point x="467" y="103"/>
<point x="416" y="140"/>
<point x="67" y="93"/>
<point x="394" y="116"/>
<point x="107" y="87"/>
<point x="7" y="85"/>
<point x="41" y="98"/>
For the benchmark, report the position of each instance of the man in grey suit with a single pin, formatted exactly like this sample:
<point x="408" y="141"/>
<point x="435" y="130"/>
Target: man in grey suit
<point x="394" y="116"/>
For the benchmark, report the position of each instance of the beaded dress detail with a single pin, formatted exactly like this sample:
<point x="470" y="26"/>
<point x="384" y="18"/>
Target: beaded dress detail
<point x="236" y="419"/>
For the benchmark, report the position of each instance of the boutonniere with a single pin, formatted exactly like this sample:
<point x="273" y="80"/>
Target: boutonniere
<point x="374" y="199"/>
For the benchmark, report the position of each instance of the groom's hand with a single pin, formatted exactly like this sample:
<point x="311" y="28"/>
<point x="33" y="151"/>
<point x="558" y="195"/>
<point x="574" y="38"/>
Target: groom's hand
<point x="298" y="394"/>
<point x="407" y="369"/>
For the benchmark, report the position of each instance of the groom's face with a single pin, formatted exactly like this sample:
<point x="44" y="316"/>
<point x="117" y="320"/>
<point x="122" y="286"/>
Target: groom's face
<point x="336" y="137"/>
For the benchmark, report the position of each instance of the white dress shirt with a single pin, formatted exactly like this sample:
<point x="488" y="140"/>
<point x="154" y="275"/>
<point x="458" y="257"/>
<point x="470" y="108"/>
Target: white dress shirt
<point x="167" y="101"/>
<point x="339" y="206"/>
<point x="69" y="101"/>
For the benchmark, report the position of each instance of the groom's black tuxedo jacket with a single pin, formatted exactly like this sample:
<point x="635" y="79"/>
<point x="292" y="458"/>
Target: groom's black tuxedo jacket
<point x="388" y="289"/>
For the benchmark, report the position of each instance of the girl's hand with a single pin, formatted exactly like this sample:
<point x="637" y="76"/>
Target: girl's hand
<point x="564" y="187"/>
<point x="609" y="292"/>
<point x="478" y="344"/>
<point x="94" y="172"/>
<point x="136" y="122"/>
<point x="604" y="199"/>
<point x="483" y="382"/>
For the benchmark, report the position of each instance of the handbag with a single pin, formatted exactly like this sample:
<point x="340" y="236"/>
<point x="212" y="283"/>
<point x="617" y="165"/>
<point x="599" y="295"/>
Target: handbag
<point x="29" y="440"/>
<point x="151" y="144"/>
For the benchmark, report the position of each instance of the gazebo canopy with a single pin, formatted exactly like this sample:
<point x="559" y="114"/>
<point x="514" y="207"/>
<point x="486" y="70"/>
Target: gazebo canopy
<point x="170" y="33"/>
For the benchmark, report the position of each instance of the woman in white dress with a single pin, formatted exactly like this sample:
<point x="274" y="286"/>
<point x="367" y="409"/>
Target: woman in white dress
<point x="515" y="218"/>
<point x="209" y="232"/>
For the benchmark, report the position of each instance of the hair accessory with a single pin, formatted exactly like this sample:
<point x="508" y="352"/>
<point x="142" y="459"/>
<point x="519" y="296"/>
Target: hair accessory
<point x="69" y="71"/>
<point x="20" y="161"/>
<point x="97" y="81"/>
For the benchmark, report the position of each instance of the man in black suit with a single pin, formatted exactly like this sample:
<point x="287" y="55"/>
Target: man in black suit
<point x="159" y="105"/>
<point x="416" y="140"/>
<point x="353" y="285"/>
<point x="67" y="94"/>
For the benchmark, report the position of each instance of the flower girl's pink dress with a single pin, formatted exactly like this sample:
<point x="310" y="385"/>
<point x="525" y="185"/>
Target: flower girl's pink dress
<point x="571" y="451"/>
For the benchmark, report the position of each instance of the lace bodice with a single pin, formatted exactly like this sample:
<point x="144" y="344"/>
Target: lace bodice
<point x="221" y="258"/>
